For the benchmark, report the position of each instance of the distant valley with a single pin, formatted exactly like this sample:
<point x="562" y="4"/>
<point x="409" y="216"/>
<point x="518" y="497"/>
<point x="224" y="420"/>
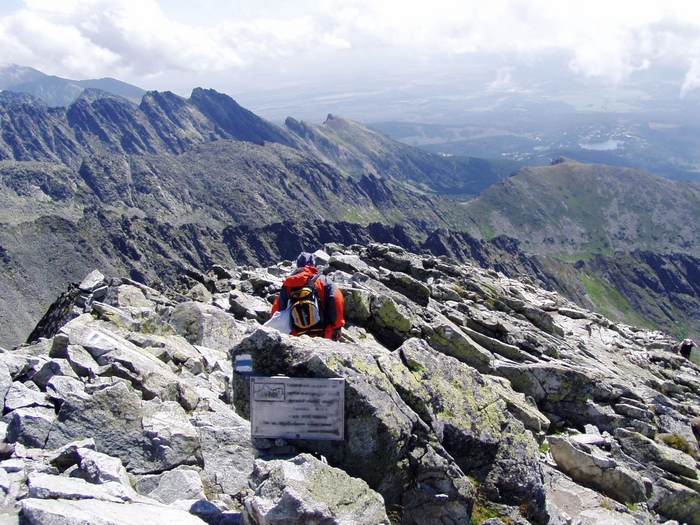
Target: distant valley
<point x="667" y="144"/>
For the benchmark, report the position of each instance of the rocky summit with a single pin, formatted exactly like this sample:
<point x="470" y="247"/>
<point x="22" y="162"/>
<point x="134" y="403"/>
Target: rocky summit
<point x="469" y="397"/>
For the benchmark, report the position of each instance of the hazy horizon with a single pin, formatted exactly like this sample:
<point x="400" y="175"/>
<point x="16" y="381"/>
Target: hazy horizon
<point x="369" y="60"/>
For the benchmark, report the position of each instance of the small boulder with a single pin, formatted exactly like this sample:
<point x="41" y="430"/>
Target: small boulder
<point x="304" y="490"/>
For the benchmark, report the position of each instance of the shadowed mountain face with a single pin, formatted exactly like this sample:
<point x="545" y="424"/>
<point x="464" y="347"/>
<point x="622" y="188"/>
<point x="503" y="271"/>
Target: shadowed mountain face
<point x="172" y="184"/>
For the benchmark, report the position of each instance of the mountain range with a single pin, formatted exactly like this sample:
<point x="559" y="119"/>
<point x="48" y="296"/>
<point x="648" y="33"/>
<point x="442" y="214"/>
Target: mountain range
<point x="57" y="91"/>
<point x="168" y="185"/>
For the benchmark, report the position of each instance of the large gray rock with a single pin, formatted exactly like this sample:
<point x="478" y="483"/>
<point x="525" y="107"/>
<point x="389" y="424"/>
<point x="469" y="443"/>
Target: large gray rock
<point x="5" y="380"/>
<point x="21" y="396"/>
<point x="305" y="491"/>
<point x="473" y="425"/>
<point x="226" y="447"/>
<point x="648" y="452"/>
<point x="30" y="426"/>
<point x="121" y="358"/>
<point x="591" y="467"/>
<point x="676" y="501"/>
<point x="147" y="436"/>
<point x="577" y="394"/>
<point x="48" y="486"/>
<point x="97" y="467"/>
<point x="206" y="325"/>
<point x="174" y="485"/>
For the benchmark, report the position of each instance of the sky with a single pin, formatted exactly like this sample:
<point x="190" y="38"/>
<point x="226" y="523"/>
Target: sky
<point x="249" y="46"/>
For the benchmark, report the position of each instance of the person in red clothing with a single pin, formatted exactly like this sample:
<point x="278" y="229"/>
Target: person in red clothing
<point x="331" y="298"/>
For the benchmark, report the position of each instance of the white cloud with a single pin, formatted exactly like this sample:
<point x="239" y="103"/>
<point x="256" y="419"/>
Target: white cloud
<point x="137" y="40"/>
<point x="692" y="78"/>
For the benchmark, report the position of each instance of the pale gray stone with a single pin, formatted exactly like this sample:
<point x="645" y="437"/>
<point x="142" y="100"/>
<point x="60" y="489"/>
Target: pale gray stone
<point x="94" y="280"/>
<point x="173" y="439"/>
<point x="676" y="501"/>
<point x="349" y="263"/>
<point x="247" y="307"/>
<point x="67" y="456"/>
<point x="146" y="435"/>
<point x="117" y="316"/>
<point x="304" y="490"/>
<point x="216" y="360"/>
<point x="448" y="338"/>
<point x="12" y="465"/>
<point x="81" y="361"/>
<point x="647" y="452"/>
<point x="178" y="484"/>
<point x="5" y="379"/>
<point x="53" y="367"/>
<point x="58" y="388"/>
<point x="227" y="450"/>
<point x="30" y="426"/>
<point x="206" y="325"/>
<point x="97" y="512"/>
<point x="20" y="396"/>
<point x="129" y="296"/>
<point x="593" y="468"/>
<point x="101" y="468"/>
<point x="4" y="481"/>
<point x="48" y="486"/>
<point x="124" y="359"/>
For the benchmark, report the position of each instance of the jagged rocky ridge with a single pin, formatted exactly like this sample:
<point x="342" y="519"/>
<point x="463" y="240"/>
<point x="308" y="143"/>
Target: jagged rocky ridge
<point x="469" y="396"/>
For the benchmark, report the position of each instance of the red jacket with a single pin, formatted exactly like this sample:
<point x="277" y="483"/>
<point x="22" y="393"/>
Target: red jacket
<point x="329" y="293"/>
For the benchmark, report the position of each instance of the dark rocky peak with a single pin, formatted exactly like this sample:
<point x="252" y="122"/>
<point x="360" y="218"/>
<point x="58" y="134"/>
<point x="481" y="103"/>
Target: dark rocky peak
<point x="30" y="132"/>
<point x="378" y="189"/>
<point x="312" y="138"/>
<point x="561" y="160"/>
<point x="17" y="98"/>
<point x="93" y="95"/>
<point x="316" y="140"/>
<point x="302" y="128"/>
<point x="343" y="125"/>
<point x="238" y="122"/>
<point x="174" y="122"/>
<point x="102" y="122"/>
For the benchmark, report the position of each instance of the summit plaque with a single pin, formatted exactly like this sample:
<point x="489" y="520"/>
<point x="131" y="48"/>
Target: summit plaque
<point x="297" y="408"/>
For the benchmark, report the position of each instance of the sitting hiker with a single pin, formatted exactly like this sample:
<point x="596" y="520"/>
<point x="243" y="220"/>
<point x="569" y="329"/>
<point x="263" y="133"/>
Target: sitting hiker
<point x="316" y="302"/>
<point x="686" y="348"/>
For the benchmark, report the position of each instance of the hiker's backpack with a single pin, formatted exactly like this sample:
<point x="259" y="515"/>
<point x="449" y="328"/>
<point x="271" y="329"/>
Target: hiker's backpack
<point x="306" y="309"/>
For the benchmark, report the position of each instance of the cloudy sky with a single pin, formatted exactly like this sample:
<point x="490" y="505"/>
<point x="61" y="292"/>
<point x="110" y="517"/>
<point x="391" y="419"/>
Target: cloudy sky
<point x="246" y="45"/>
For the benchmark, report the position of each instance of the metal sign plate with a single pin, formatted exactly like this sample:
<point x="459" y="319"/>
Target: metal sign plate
<point x="297" y="408"/>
